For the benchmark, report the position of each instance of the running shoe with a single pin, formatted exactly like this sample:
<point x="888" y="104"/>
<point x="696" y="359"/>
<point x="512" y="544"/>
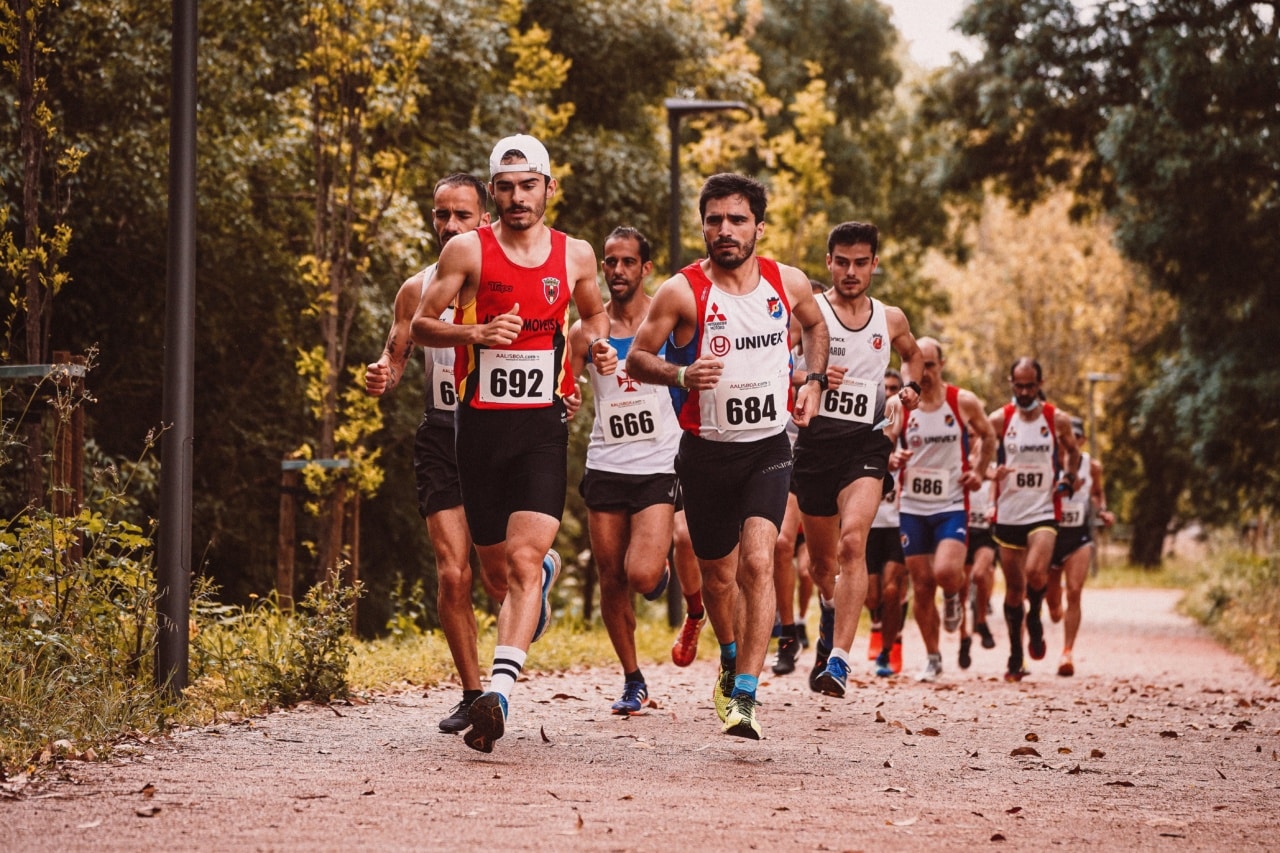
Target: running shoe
<point x="1036" y="647"/>
<point x="831" y="681"/>
<point x="954" y="612"/>
<point x="634" y="694"/>
<point x="459" y="718"/>
<point x="1066" y="668"/>
<point x="685" y="648"/>
<point x="874" y="643"/>
<point x="1016" y="671"/>
<point x="740" y="718"/>
<point x="488" y="720"/>
<point x="821" y="652"/>
<point x="883" y="669"/>
<point x="723" y="689"/>
<point x="550" y="571"/>
<point x="932" y="668"/>
<point x="966" y="660"/>
<point x="895" y="657"/>
<point x="788" y="648"/>
<point x="988" y="641"/>
<point x="658" y="590"/>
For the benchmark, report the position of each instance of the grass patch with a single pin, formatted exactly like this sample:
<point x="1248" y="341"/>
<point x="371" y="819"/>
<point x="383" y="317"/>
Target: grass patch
<point x="1237" y="596"/>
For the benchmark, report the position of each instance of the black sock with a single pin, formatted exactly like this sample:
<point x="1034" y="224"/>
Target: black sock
<point x="470" y="696"/>
<point x="1035" y="597"/>
<point x="634" y="676"/>
<point x="789" y="631"/>
<point x="1013" y="618"/>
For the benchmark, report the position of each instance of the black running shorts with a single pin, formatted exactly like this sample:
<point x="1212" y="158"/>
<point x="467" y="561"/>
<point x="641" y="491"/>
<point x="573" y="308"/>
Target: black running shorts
<point x="511" y="460"/>
<point x="824" y="468"/>
<point x="884" y="546"/>
<point x="1070" y="540"/>
<point x="725" y="482"/>
<point x="608" y="491"/>
<point x="435" y="468"/>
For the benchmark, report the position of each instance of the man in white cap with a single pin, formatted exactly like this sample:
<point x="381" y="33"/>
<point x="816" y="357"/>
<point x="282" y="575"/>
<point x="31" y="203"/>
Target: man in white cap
<point x="512" y="282"/>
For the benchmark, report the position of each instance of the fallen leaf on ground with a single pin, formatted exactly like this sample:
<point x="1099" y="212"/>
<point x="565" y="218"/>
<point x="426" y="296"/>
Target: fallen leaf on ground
<point x="1168" y="733"/>
<point x="543" y="731"/>
<point x="1013" y="810"/>
<point x="907" y="822"/>
<point x="998" y="837"/>
<point x="1097" y="753"/>
<point x="1025" y="750"/>
<point x="147" y="790"/>
<point x="1032" y="736"/>
<point x="1121" y="783"/>
<point x="149" y="811"/>
<point x="929" y="731"/>
<point x="1064" y="750"/>
<point x="566" y="696"/>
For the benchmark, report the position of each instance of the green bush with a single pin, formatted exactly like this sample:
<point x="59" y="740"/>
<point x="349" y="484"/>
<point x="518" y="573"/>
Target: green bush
<point x="1238" y="599"/>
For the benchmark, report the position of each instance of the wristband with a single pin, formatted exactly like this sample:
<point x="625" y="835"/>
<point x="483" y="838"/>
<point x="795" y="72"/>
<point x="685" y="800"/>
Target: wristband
<point x="680" y="378"/>
<point x="914" y="386"/>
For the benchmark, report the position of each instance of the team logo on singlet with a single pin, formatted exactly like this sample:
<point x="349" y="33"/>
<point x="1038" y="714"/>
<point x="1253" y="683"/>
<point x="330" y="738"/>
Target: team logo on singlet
<point x="1044" y="430"/>
<point x="774" y="305"/>
<point x="625" y="382"/>
<point x="715" y="318"/>
<point x="877" y="342"/>
<point x="719" y="346"/>
<point x="949" y="420"/>
<point x="551" y="289"/>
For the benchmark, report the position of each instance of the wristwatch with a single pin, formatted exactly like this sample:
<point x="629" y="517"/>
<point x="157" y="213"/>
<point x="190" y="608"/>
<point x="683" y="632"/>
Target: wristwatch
<point x="820" y="378"/>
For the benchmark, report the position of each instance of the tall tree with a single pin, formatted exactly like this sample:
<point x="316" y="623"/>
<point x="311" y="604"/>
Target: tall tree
<point x="1165" y="117"/>
<point x="34" y="235"/>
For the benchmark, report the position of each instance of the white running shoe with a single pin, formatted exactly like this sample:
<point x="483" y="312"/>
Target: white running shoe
<point x="932" y="668"/>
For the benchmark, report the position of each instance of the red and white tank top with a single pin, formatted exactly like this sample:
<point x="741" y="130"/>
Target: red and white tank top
<point x="533" y="370"/>
<point x="939" y="445"/>
<point x="750" y="333"/>
<point x="1029" y="449"/>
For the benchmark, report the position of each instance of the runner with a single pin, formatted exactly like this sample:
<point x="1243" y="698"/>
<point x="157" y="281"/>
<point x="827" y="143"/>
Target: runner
<point x="886" y="566"/>
<point x="842" y="456"/>
<point x="459" y="203"/>
<point x="980" y="566"/>
<point x="1073" y="550"/>
<point x="936" y="482"/>
<point x="512" y="282"/>
<point x="629" y="485"/>
<point x="1034" y="437"/>
<point x="728" y="358"/>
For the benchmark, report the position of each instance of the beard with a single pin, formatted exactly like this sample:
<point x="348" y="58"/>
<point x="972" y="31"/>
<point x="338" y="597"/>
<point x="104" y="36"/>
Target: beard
<point x="533" y="216"/>
<point x="725" y="256"/>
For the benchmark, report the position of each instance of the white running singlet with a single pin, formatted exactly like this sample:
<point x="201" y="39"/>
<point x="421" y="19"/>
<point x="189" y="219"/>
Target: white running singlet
<point x="939" y="445"/>
<point x="858" y="404"/>
<point x="1029" y="450"/>
<point x="635" y="429"/>
<point x="1075" y="509"/>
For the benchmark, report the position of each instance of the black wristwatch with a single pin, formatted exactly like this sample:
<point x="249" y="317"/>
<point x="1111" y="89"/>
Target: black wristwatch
<point x="914" y="386"/>
<point x="820" y="378"/>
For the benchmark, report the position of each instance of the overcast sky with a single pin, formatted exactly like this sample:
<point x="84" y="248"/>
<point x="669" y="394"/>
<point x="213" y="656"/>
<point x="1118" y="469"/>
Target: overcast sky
<point x="926" y="27"/>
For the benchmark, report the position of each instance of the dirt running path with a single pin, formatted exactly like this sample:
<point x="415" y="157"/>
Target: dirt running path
<point x="1163" y="741"/>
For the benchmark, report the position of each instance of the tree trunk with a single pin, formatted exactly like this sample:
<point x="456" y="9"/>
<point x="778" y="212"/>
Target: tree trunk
<point x="1155" y="504"/>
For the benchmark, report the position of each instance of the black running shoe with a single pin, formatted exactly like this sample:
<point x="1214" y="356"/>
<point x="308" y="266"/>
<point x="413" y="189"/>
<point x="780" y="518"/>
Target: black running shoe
<point x="819" y="664"/>
<point x="1035" y="637"/>
<point x="459" y="718"/>
<point x="788" y="648"/>
<point x="988" y="641"/>
<point x="965" y="659"/>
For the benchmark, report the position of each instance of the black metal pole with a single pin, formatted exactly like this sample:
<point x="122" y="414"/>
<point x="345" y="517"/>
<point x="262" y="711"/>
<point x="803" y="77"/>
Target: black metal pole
<point x="173" y="602"/>
<point x="673" y="226"/>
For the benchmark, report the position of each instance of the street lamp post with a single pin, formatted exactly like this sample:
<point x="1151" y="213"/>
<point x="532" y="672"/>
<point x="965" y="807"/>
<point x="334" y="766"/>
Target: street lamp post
<point x="1095" y="561"/>
<point x="678" y="108"/>
<point x="1094" y="379"/>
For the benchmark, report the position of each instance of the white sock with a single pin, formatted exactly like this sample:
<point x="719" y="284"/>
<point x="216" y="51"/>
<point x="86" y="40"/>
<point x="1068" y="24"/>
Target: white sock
<point x="508" y="661"/>
<point x="840" y="654"/>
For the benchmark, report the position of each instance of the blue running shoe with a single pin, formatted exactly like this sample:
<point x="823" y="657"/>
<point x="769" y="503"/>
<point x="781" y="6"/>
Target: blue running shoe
<point x="634" y="694"/>
<point x="488" y="717"/>
<point x="883" y="668"/>
<point x="658" y="590"/>
<point x="550" y="571"/>
<point x="831" y="680"/>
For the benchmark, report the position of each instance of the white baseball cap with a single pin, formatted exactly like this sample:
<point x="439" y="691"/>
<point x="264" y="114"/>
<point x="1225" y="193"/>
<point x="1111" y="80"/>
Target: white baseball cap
<point x="534" y="152"/>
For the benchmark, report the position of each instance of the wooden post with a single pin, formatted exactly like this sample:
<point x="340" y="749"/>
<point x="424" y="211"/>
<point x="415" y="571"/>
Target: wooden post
<point x="352" y="574"/>
<point x="290" y="478"/>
